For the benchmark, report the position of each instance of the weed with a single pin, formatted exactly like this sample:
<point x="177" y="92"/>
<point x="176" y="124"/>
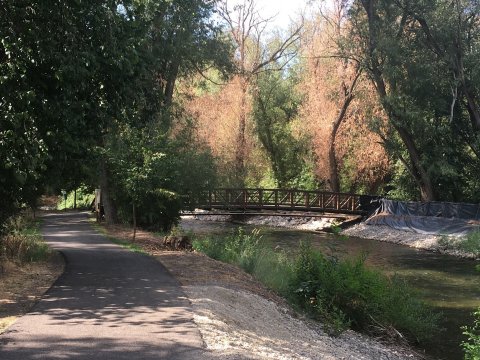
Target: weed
<point x="471" y="346"/>
<point x="127" y="245"/>
<point x="22" y="241"/>
<point x="341" y="293"/>
<point x="469" y="243"/>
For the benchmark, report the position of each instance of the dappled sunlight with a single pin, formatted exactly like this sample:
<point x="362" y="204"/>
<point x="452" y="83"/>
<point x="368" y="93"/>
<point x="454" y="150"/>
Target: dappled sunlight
<point x="109" y="302"/>
<point x="68" y="346"/>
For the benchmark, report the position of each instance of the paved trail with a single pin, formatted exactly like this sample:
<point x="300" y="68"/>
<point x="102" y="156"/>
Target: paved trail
<point x="110" y="303"/>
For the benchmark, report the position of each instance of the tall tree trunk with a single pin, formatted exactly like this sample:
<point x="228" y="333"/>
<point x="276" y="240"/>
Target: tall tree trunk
<point x="240" y="152"/>
<point x="332" y="156"/>
<point x="75" y="198"/>
<point x="419" y="173"/>
<point x="417" y="170"/>
<point x="170" y="85"/>
<point x="134" y="215"/>
<point x="109" y="206"/>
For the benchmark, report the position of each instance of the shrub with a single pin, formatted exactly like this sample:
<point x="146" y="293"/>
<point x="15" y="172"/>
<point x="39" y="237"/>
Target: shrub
<point x="23" y="241"/>
<point x="341" y="293"/>
<point x="238" y="248"/>
<point x="471" y="347"/>
<point x="348" y="291"/>
<point x="469" y="243"/>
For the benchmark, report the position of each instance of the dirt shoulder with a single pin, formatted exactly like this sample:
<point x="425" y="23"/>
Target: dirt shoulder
<point x="22" y="285"/>
<point x="192" y="268"/>
<point x="240" y="319"/>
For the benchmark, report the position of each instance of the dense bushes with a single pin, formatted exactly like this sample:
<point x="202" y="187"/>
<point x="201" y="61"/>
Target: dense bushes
<point x="346" y="292"/>
<point x="341" y="293"/>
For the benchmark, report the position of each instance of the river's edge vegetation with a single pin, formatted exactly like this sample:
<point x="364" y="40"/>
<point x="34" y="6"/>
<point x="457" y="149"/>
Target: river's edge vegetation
<point x="340" y="293"/>
<point x="469" y="243"/>
<point x="471" y="346"/>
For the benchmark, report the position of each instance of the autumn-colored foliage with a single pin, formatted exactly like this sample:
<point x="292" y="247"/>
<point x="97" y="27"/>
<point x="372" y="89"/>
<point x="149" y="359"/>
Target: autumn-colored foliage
<point x="328" y="81"/>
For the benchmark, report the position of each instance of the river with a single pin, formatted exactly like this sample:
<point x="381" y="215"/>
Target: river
<point x="449" y="284"/>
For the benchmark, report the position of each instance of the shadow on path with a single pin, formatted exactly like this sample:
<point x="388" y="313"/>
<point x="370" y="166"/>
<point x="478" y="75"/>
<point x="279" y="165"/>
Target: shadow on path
<point x="109" y="304"/>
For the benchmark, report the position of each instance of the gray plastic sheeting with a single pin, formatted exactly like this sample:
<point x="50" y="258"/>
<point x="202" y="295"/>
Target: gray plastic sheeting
<point x="427" y="218"/>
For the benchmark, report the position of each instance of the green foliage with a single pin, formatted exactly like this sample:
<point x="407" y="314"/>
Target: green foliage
<point x="333" y="290"/>
<point x="156" y="171"/>
<point x="84" y="199"/>
<point x="341" y="293"/>
<point x="238" y="248"/>
<point x="275" y="107"/>
<point x="471" y="346"/>
<point x="432" y="131"/>
<point x="22" y="241"/>
<point x="469" y="243"/>
<point x="107" y="66"/>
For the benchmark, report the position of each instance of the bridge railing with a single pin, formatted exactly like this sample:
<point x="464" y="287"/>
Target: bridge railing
<point x="280" y="199"/>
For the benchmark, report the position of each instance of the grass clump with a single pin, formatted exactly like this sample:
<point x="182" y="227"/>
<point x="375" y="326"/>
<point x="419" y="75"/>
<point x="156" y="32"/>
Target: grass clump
<point x="469" y="243"/>
<point x="22" y="242"/>
<point x="340" y="293"/>
<point x="471" y="347"/>
<point x="347" y="293"/>
<point x="127" y="245"/>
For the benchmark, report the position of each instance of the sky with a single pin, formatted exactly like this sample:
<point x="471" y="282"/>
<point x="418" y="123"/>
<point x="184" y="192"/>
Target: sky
<point x="283" y="9"/>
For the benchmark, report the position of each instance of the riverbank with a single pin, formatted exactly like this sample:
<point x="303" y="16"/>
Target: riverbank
<point x="240" y="319"/>
<point x="305" y="223"/>
<point x="443" y="244"/>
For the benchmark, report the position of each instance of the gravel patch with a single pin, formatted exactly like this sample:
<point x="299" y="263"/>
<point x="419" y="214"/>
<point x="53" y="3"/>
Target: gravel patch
<point x="307" y="223"/>
<point x="299" y="223"/>
<point x="237" y="324"/>
<point x="407" y="238"/>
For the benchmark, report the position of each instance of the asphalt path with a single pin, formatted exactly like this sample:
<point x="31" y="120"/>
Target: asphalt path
<point x="110" y="303"/>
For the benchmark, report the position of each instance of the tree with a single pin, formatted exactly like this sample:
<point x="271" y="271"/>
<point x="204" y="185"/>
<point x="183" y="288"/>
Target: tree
<point x="180" y="39"/>
<point x="275" y="107"/>
<point x="413" y="53"/>
<point x="247" y="30"/>
<point x="339" y="107"/>
<point x="108" y="65"/>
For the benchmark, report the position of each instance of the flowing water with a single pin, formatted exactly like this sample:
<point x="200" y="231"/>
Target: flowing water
<point x="449" y="284"/>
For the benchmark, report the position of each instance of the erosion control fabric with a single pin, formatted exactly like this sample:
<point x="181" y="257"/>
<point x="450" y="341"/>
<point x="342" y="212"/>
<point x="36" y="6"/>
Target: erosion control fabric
<point x="427" y="218"/>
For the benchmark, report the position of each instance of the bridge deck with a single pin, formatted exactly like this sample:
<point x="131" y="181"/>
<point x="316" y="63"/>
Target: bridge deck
<point x="282" y="200"/>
